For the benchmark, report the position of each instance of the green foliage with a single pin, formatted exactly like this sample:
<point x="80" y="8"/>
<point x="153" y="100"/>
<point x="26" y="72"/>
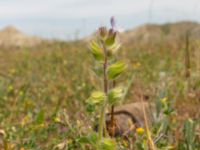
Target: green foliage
<point x="40" y="117"/>
<point x="111" y="39"/>
<point x="97" y="51"/>
<point x="103" y="50"/>
<point x="97" y="97"/>
<point x="113" y="49"/>
<point x="108" y="144"/>
<point x="190" y="135"/>
<point x="115" y="95"/>
<point x="116" y="69"/>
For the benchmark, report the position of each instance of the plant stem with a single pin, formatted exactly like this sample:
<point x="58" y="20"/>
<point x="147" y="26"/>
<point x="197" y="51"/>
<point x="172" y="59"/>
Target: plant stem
<point x="112" y="119"/>
<point x="102" y="124"/>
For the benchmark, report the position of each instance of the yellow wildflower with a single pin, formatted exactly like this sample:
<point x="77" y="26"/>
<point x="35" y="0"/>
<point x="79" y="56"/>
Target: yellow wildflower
<point x="10" y="88"/>
<point x="25" y="120"/>
<point x="164" y="100"/>
<point x="57" y="119"/>
<point x="140" y="130"/>
<point x="42" y="125"/>
<point x="136" y="65"/>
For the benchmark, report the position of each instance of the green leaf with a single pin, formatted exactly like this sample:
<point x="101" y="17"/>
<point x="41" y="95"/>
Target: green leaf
<point x="116" y="69"/>
<point x="40" y="117"/>
<point x="97" y="51"/>
<point x="90" y="138"/>
<point x="98" y="69"/>
<point x="111" y="39"/>
<point x="90" y="108"/>
<point x="189" y="133"/>
<point x="108" y="144"/>
<point x="96" y="97"/>
<point x="115" y="95"/>
<point x="114" y="47"/>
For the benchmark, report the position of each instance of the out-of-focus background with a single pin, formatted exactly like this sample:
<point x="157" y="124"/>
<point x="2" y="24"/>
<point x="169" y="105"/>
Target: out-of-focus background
<point x="69" y="19"/>
<point x="47" y="71"/>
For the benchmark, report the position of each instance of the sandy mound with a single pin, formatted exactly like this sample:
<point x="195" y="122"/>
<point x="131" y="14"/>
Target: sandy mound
<point x="170" y="33"/>
<point x="10" y="36"/>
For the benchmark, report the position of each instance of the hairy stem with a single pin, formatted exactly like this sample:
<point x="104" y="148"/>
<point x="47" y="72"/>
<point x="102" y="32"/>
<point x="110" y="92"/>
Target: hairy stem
<point x="112" y="119"/>
<point x="102" y="124"/>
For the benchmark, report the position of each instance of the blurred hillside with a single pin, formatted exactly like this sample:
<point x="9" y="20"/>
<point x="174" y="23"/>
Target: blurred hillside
<point x="12" y="37"/>
<point x="171" y="34"/>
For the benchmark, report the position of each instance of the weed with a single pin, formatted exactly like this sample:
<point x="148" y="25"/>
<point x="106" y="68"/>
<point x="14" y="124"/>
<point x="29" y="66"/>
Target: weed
<point x="104" y="50"/>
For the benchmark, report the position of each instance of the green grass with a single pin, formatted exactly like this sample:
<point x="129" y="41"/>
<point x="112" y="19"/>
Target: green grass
<point x="43" y="90"/>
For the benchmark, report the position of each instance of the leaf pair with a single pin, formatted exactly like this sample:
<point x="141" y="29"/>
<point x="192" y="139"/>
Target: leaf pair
<point x="111" y="38"/>
<point x="96" y="98"/>
<point x="97" y="51"/>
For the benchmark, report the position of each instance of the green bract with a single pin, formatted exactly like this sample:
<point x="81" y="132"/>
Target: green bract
<point x="97" y="51"/>
<point x="103" y="33"/>
<point x="115" y="95"/>
<point x="116" y="69"/>
<point x="96" y="97"/>
<point x="114" y="48"/>
<point x="108" y="144"/>
<point x="111" y="39"/>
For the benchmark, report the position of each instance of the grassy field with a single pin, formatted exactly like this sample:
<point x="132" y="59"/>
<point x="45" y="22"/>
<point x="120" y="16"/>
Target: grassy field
<point x="43" y="91"/>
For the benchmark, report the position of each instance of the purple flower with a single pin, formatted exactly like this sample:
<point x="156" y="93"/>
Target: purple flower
<point x="113" y="22"/>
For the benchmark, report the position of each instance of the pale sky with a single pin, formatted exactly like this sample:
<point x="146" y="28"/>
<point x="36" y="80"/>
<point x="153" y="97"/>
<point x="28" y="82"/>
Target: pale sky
<point x="71" y="18"/>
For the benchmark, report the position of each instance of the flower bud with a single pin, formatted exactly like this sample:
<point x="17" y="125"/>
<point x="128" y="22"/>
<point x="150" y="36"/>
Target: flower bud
<point x="112" y="32"/>
<point x="112" y="22"/>
<point x="102" y="32"/>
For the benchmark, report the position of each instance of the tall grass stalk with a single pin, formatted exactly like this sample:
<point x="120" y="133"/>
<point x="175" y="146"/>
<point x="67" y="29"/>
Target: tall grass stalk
<point x="187" y="55"/>
<point x="148" y="133"/>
